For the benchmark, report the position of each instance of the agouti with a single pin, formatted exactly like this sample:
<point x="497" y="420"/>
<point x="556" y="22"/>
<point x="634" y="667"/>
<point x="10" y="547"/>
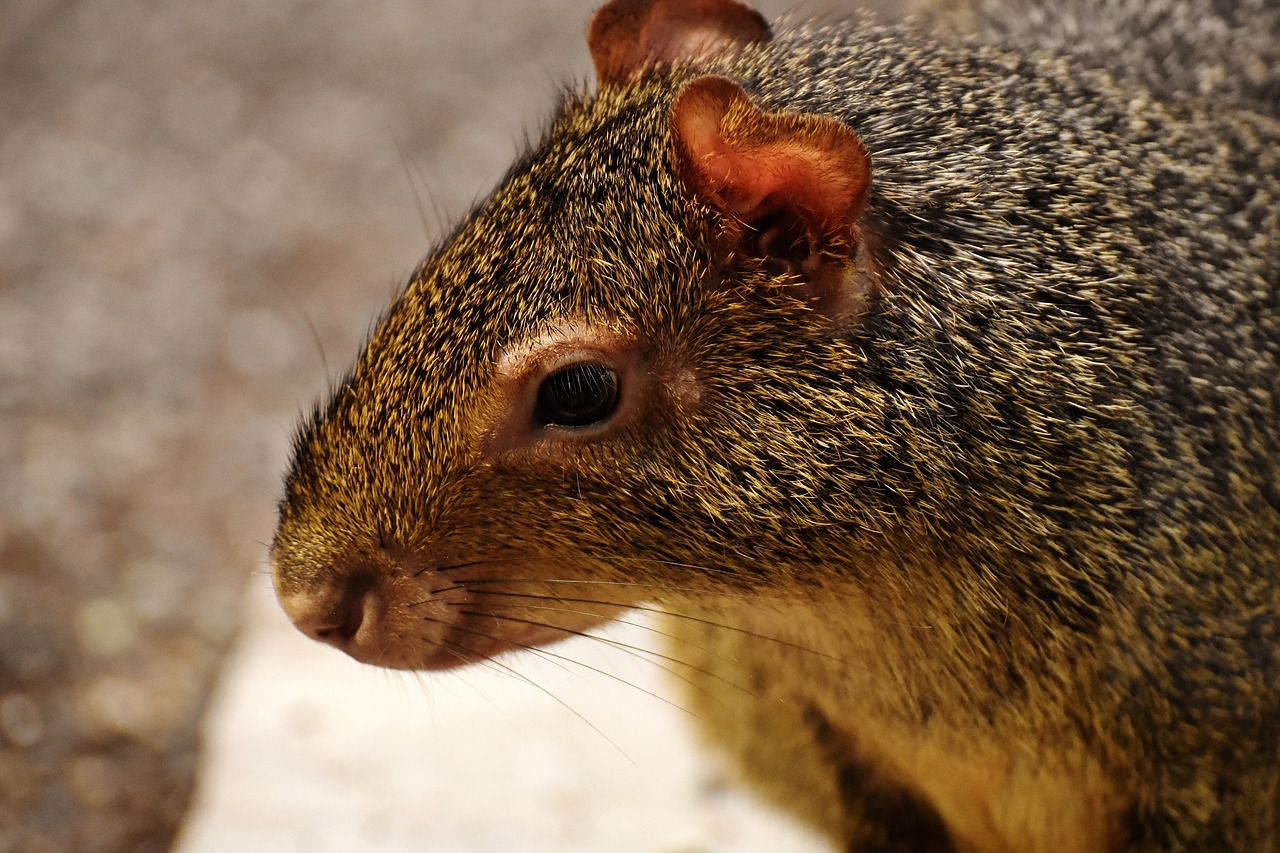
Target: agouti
<point x="929" y="384"/>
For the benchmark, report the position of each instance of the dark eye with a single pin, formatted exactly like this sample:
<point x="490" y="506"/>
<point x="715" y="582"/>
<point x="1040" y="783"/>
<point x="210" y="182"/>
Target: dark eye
<point x="577" y="395"/>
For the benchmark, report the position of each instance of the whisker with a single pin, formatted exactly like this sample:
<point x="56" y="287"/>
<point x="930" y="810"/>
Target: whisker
<point x="466" y="660"/>
<point x="662" y="587"/>
<point x="515" y="673"/>
<point x="306" y="318"/>
<point x="553" y="656"/>
<point x="639" y="652"/>
<point x="414" y="170"/>
<point x="665" y="612"/>
<point x="592" y="582"/>
<point x="635" y="650"/>
<point x="674" y="564"/>
<point x="618" y="620"/>
<point x="614" y="558"/>
<point x="453" y="567"/>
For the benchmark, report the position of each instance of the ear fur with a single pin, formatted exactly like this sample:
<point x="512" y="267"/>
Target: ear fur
<point x="791" y="188"/>
<point x="627" y="36"/>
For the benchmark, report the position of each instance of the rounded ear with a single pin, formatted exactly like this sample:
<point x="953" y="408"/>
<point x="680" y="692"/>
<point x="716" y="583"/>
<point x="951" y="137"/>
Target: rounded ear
<point x="627" y="36"/>
<point x="749" y="163"/>
<point x="791" y="186"/>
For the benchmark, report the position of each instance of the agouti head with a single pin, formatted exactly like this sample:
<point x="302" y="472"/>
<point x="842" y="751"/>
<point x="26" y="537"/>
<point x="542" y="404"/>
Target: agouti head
<point x="652" y="366"/>
<point x="613" y="382"/>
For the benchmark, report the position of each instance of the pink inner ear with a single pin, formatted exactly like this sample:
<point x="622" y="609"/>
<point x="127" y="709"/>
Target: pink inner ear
<point x="749" y="163"/>
<point x="627" y="36"/>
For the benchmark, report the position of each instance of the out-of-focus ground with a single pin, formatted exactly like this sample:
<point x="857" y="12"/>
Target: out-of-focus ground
<point x="202" y="208"/>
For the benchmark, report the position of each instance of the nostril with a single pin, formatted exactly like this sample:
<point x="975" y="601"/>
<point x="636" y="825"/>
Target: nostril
<point x="338" y="623"/>
<point x="344" y="625"/>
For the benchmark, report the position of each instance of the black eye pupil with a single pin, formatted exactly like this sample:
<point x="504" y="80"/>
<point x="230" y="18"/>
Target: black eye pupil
<point x="577" y="395"/>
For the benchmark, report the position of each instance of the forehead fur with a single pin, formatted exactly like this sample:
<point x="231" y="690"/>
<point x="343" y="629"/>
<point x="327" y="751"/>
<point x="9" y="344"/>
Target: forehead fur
<point x="572" y="226"/>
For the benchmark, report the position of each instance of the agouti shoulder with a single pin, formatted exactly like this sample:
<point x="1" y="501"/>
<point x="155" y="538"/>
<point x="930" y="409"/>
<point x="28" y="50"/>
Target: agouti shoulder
<point x="930" y="385"/>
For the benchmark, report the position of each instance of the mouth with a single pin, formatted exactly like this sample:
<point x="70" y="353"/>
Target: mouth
<point x="381" y="611"/>
<point x="479" y="636"/>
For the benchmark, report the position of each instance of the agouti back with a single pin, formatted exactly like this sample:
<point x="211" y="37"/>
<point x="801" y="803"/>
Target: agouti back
<point x="930" y="385"/>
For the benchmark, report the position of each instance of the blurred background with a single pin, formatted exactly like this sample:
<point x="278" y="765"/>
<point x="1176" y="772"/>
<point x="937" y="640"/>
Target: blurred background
<point x="203" y="206"/>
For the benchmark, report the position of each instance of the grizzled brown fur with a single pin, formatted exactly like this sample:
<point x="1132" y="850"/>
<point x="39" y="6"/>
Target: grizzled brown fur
<point x="986" y="562"/>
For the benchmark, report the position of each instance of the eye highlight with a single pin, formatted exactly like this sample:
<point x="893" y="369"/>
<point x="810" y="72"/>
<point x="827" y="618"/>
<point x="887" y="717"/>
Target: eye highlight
<point x="577" y="395"/>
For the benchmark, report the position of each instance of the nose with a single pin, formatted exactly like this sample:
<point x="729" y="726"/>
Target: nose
<point x="341" y="625"/>
<point x="335" y="614"/>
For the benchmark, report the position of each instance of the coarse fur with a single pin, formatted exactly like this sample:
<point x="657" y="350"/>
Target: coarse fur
<point x="988" y="563"/>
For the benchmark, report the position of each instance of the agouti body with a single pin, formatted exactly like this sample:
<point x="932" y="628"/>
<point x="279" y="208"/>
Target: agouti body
<point x="931" y="387"/>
